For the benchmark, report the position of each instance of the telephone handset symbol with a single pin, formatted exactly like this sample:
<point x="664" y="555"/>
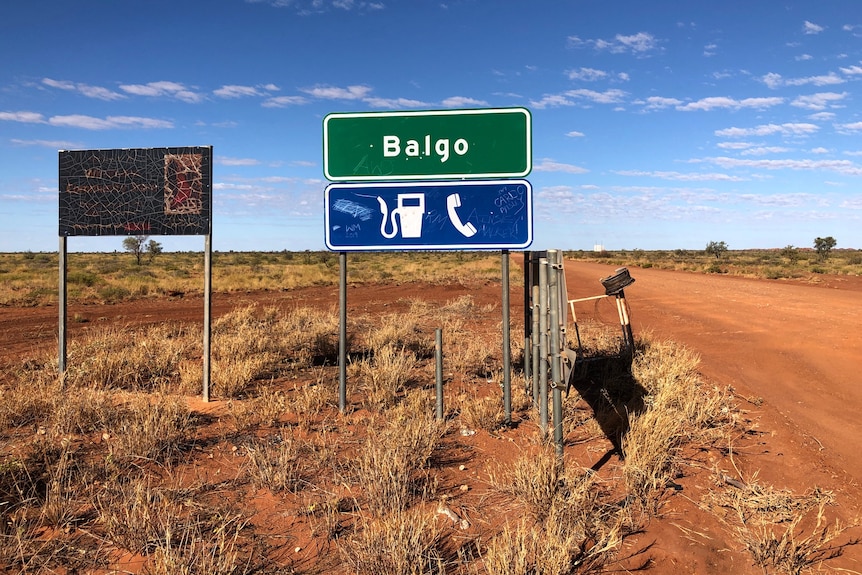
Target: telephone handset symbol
<point x="452" y="202"/>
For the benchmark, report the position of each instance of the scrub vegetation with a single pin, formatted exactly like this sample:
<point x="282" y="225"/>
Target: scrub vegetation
<point x="117" y="466"/>
<point x="789" y="262"/>
<point x="31" y="278"/>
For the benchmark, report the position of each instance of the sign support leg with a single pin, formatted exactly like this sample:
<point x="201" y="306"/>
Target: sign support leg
<point x="527" y="322"/>
<point x="208" y="276"/>
<point x="61" y="359"/>
<point x="342" y="331"/>
<point x="507" y="344"/>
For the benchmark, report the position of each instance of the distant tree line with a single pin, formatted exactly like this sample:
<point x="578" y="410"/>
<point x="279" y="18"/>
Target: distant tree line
<point x="823" y="247"/>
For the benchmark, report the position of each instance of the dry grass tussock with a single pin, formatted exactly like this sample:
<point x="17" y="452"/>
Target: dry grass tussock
<point x="679" y="409"/>
<point x="106" y="462"/>
<point x="572" y="525"/>
<point x="785" y="532"/>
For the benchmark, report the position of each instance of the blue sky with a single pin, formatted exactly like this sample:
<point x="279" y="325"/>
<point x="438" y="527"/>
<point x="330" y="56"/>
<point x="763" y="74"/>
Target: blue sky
<point x="656" y="125"/>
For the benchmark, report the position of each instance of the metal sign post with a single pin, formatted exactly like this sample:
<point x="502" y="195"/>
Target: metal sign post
<point x="61" y="360"/>
<point x="390" y="211"/>
<point x="342" y="331"/>
<point x="507" y="346"/>
<point x="136" y="192"/>
<point x="208" y="274"/>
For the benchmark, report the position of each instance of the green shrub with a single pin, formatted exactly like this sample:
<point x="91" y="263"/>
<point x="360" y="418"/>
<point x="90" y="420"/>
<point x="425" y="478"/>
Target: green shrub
<point x="83" y="278"/>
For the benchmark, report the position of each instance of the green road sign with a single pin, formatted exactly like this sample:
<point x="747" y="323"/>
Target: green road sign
<point x="438" y="144"/>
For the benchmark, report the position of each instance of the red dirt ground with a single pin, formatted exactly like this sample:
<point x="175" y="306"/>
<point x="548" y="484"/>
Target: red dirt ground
<point x="794" y="349"/>
<point x="790" y="350"/>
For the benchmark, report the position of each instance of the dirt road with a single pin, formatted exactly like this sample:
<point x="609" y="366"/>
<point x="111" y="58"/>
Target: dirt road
<point x="796" y="346"/>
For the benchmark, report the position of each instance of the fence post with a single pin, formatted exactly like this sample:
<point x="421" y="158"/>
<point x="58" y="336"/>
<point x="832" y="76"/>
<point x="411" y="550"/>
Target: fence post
<point x="438" y="370"/>
<point x="556" y="358"/>
<point x="543" y="345"/>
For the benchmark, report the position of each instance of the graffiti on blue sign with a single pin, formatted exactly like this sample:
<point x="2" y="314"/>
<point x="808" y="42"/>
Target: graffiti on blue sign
<point x="437" y="215"/>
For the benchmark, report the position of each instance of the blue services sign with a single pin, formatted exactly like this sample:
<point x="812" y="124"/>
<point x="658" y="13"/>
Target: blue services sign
<point x="464" y="215"/>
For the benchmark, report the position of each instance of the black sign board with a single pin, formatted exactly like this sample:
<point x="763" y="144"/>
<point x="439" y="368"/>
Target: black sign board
<point x="143" y="191"/>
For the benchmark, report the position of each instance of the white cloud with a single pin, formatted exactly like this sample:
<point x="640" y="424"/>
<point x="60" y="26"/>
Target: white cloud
<point x="842" y="166"/>
<point x="788" y="129"/>
<point x="852" y="70"/>
<point x="575" y="134"/>
<point x="163" y="88"/>
<point x="764" y="150"/>
<point x="549" y="165"/>
<point x="61" y="84"/>
<point x="87" y="122"/>
<point x="394" y="103"/>
<point x="785" y="200"/>
<point x="108" y="123"/>
<point x="606" y="97"/>
<point x="573" y="97"/>
<point x="310" y="7"/>
<point x="682" y="177"/>
<point x="284" y="101"/>
<point x="84" y="89"/>
<point x="829" y="79"/>
<point x="25" y="117"/>
<point x="225" y="161"/>
<point x="773" y="80"/>
<point x="586" y="74"/>
<point x="820" y="150"/>
<point x="822" y="116"/>
<point x="639" y="44"/>
<point x="235" y="91"/>
<point x="709" y="50"/>
<point x="853" y="128"/>
<point x="462" y="102"/>
<point x="660" y="103"/>
<point x="812" y="28"/>
<point x="735" y="145"/>
<point x="819" y="101"/>
<point x="718" y="102"/>
<point x="804" y="57"/>
<point x="55" y="144"/>
<point x="357" y="92"/>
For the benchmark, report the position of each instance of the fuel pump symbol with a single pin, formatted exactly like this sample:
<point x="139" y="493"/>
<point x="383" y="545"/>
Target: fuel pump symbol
<point x="410" y="211"/>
